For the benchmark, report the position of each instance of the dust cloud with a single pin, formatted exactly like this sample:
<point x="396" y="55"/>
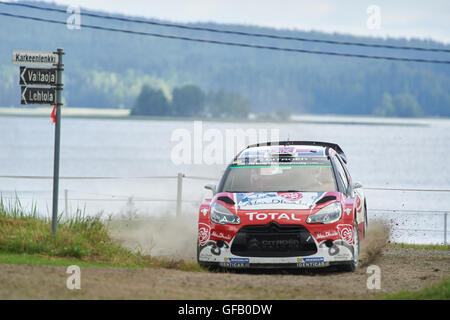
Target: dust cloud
<point x="377" y="237"/>
<point x="166" y="236"/>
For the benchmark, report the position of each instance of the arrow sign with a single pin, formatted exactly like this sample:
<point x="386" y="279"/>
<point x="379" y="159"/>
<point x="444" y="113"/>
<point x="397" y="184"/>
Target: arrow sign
<point x="41" y="58"/>
<point x="37" y="76"/>
<point x="33" y="95"/>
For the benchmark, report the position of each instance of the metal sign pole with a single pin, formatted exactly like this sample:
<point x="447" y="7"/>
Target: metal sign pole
<point x="179" y="193"/>
<point x="59" y="68"/>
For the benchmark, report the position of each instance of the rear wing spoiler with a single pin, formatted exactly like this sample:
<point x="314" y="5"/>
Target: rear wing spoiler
<point x="333" y="146"/>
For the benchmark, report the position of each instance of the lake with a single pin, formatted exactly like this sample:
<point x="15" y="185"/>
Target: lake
<point x="381" y="153"/>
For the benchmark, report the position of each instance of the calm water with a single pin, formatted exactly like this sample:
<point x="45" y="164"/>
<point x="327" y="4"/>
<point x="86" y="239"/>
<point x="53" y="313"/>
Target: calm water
<point x="382" y="155"/>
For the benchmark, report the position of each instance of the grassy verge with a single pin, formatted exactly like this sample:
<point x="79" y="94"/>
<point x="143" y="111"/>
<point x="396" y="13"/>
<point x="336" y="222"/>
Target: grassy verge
<point x="421" y="246"/>
<point x="26" y="238"/>
<point x="43" y="260"/>
<point x="439" y="291"/>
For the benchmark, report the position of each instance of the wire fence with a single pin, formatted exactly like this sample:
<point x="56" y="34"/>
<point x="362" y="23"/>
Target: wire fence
<point x="105" y="197"/>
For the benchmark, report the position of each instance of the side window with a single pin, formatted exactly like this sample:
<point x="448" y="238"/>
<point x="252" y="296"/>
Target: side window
<point x="341" y="173"/>
<point x="347" y="174"/>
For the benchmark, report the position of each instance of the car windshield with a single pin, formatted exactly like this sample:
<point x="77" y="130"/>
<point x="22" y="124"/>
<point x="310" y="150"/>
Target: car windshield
<point x="307" y="176"/>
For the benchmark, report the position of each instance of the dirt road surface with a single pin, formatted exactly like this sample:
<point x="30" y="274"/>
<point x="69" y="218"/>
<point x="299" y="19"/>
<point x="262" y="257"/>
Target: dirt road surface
<point x="401" y="269"/>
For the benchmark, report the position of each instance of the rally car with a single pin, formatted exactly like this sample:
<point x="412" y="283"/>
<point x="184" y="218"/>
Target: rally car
<point x="288" y="204"/>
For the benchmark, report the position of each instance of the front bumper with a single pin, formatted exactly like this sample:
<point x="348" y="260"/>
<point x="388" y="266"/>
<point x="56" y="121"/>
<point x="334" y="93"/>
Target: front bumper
<point x="277" y="246"/>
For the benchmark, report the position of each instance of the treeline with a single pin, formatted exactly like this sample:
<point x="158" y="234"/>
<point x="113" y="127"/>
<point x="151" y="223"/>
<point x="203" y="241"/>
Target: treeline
<point x="190" y="101"/>
<point x="108" y="70"/>
<point x="400" y="105"/>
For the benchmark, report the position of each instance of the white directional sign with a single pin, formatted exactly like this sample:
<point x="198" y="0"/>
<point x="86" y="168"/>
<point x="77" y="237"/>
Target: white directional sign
<point x="37" y="58"/>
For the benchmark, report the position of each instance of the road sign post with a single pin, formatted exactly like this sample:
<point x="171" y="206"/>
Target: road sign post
<point x="48" y="93"/>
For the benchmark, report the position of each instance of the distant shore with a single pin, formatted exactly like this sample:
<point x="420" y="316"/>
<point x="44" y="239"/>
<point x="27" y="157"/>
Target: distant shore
<point x="108" y="113"/>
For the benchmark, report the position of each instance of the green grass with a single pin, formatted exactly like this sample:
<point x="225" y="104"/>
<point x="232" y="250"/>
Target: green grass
<point x="439" y="291"/>
<point x="27" y="238"/>
<point x="421" y="246"/>
<point x="42" y="260"/>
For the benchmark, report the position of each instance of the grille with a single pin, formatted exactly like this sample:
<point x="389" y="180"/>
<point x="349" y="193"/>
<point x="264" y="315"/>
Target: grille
<point x="273" y="240"/>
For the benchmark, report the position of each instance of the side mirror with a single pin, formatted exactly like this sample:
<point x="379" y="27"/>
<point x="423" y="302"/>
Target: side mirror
<point x="212" y="187"/>
<point x="356" y="185"/>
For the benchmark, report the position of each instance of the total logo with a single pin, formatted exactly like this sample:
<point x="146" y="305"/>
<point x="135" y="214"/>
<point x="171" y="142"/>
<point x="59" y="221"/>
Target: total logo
<point x="273" y="215"/>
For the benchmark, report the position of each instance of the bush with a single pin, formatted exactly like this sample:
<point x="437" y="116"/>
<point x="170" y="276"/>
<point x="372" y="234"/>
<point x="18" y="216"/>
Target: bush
<point x="189" y="100"/>
<point x="228" y="105"/>
<point x="151" y="102"/>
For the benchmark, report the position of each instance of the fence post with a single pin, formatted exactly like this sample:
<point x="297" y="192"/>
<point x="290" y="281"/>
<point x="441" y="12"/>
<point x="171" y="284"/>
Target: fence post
<point x="179" y="192"/>
<point x="445" y="228"/>
<point x="66" y="202"/>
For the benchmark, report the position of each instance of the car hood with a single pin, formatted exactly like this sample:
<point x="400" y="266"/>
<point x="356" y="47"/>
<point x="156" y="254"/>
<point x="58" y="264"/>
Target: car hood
<point x="277" y="200"/>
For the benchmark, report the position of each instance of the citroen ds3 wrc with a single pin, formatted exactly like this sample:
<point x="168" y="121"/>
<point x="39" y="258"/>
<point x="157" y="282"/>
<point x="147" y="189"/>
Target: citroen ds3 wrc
<point x="287" y="204"/>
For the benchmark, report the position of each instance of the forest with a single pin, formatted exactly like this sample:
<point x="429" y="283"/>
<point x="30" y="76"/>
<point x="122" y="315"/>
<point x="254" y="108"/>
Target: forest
<point x="105" y="69"/>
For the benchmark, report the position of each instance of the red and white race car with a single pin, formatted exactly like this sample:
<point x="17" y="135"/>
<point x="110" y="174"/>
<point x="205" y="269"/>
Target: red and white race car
<point x="288" y="204"/>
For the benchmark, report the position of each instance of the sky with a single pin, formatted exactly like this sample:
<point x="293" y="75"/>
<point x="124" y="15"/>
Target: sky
<point x="379" y="18"/>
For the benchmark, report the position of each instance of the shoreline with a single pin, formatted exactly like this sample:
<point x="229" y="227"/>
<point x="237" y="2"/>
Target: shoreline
<point x="123" y="114"/>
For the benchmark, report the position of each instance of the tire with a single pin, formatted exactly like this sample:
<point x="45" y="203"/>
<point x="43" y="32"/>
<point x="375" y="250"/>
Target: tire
<point x="352" y="265"/>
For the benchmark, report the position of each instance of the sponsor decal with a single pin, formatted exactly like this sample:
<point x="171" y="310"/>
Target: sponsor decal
<point x="280" y="244"/>
<point x="346" y="232"/>
<point x="327" y="234"/>
<point x="347" y="211"/>
<point x="221" y="235"/>
<point x="290" y="195"/>
<point x="283" y="150"/>
<point x="311" y="152"/>
<point x="236" y="262"/>
<point x="204" y="211"/>
<point x="311" y="262"/>
<point x="272" y="215"/>
<point x="358" y="205"/>
<point x="204" y="232"/>
<point x="274" y="200"/>
<point x="248" y="197"/>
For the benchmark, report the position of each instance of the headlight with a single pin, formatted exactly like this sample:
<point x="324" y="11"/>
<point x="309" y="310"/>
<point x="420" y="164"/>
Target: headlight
<point x="221" y="215"/>
<point x="329" y="214"/>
